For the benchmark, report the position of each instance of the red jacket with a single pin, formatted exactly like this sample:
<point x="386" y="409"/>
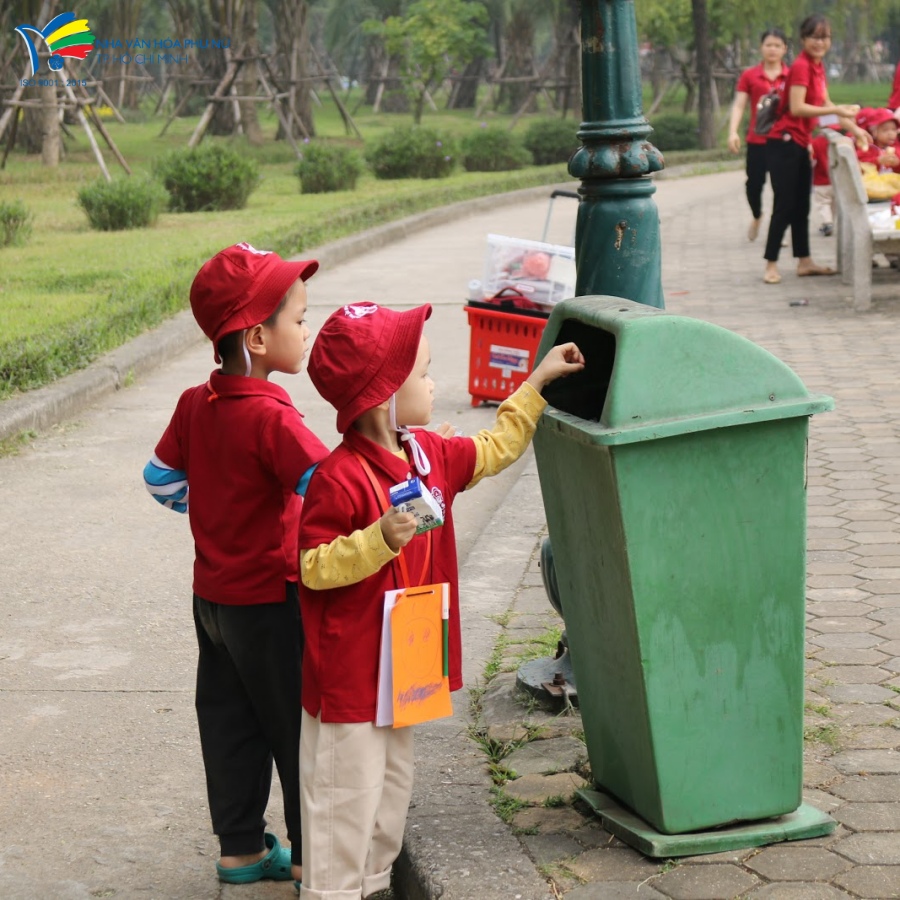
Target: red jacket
<point x="343" y="625"/>
<point x="244" y="448"/>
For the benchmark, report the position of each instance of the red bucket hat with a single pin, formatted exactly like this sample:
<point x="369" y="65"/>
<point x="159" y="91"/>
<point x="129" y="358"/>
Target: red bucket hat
<point x="363" y="354"/>
<point x="241" y="287"/>
<point x="871" y="118"/>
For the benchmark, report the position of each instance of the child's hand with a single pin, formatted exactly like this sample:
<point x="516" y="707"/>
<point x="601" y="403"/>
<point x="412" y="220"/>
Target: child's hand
<point x="397" y="528"/>
<point x="446" y="430"/>
<point x="564" y="359"/>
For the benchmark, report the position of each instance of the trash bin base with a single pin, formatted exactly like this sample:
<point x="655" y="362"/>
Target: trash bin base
<point x="550" y="681"/>
<point x="804" y="822"/>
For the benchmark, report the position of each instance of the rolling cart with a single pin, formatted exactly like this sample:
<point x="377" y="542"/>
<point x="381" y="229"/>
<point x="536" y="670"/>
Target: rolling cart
<point x="507" y="311"/>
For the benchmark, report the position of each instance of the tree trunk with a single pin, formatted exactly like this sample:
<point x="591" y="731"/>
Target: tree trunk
<point x="704" y="75"/>
<point x="465" y="91"/>
<point x="519" y="41"/>
<point x="567" y="72"/>
<point x="294" y="58"/>
<point x="248" y="81"/>
<point x="50" y="146"/>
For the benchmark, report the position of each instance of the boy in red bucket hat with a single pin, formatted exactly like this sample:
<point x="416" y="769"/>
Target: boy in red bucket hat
<point x="241" y="445"/>
<point x="371" y="364"/>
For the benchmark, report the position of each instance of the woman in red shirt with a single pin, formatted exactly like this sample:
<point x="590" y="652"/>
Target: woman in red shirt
<point x="787" y="148"/>
<point x="754" y="83"/>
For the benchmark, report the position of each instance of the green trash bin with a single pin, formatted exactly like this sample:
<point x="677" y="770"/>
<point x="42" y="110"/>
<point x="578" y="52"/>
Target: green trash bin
<point x="673" y="473"/>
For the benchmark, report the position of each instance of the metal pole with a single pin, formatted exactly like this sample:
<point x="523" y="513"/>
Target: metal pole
<point x="617" y="246"/>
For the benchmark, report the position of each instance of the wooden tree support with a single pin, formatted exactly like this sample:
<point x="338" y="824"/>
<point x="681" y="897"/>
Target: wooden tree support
<point x="11" y="141"/>
<point x="285" y="125"/>
<point x="221" y="90"/>
<point x="293" y="115"/>
<point x="349" y="124"/>
<point x="79" y="114"/>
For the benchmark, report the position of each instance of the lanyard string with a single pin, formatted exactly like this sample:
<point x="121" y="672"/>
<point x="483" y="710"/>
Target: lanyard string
<point x="385" y="505"/>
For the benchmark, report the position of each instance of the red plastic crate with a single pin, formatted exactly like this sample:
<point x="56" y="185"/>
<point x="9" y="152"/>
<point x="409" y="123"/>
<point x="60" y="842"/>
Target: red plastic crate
<point x="502" y="349"/>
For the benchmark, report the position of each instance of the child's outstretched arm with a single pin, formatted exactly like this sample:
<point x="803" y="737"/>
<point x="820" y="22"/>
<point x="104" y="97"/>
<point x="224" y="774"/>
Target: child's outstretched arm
<point x="564" y="359"/>
<point x="500" y="446"/>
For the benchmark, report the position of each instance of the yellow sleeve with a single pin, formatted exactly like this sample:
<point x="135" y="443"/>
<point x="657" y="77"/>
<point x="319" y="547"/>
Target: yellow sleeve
<point x="346" y="560"/>
<point x="500" y="446"/>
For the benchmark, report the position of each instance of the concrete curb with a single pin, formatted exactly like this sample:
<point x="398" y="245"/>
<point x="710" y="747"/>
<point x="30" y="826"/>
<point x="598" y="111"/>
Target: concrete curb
<point x="45" y="407"/>
<point x="455" y="846"/>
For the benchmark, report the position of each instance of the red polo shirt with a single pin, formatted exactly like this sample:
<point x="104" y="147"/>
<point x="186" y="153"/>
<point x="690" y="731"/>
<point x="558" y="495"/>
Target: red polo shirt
<point x="756" y="84"/>
<point x="244" y="448"/>
<point x="894" y="102"/>
<point x="873" y="151"/>
<point x="811" y="75"/>
<point x="343" y="625"/>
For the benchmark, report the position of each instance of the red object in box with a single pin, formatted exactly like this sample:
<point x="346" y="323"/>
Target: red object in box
<point x="502" y="350"/>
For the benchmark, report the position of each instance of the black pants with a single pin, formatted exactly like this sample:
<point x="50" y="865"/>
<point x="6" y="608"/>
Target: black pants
<point x="248" y="710"/>
<point x="756" y="177"/>
<point x="791" y="174"/>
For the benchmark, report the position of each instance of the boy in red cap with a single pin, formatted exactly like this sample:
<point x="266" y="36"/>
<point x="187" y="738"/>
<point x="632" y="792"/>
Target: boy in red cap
<point x="241" y="446"/>
<point x="371" y="364"/>
<point x="883" y="152"/>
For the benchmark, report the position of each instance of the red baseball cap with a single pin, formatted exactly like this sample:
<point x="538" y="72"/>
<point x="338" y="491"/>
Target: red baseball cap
<point x="241" y="287"/>
<point x="363" y="354"/>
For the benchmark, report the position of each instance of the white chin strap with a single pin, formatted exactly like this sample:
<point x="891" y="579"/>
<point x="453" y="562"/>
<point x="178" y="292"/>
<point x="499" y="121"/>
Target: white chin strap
<point x="420" y="460"/>
<point x="246" y="352"/>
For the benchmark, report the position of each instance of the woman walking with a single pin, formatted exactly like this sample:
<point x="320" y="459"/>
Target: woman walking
<point x="788" y="144"/>
<point x="755" y="83"/>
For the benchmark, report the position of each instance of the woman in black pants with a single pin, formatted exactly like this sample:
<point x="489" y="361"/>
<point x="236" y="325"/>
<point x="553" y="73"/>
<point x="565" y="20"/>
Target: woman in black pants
<point x="755" y="83"/>
<point x="787" y="148"/>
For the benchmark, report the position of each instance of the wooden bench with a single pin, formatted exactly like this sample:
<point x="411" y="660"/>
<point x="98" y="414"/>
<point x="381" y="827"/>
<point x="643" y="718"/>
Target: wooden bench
<point x="857" y="239"/>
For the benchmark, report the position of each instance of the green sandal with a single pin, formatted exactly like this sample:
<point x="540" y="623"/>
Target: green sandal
<point x="276" y="865"/>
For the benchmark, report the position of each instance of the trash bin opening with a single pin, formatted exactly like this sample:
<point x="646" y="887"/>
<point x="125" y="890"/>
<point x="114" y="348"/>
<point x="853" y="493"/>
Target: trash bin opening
<point x="584" y="393"/>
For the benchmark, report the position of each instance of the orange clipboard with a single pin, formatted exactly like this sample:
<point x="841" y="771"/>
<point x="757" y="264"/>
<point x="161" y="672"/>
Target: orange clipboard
<point x="414" y="684"/>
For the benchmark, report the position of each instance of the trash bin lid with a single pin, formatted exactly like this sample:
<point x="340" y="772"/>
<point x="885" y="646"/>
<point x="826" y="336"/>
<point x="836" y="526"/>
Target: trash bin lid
<point x="650" y="374"/>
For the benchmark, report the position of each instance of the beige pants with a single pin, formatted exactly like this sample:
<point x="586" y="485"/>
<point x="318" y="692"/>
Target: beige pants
<point x="355" y="786"/>
<point x="823" y="203"/>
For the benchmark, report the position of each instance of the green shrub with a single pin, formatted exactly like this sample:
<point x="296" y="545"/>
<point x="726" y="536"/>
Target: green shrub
<point x="412" y="151"/>
<point x="493" y="150"/>
<point x="675" y="131"/>
<point x="133" y="202"/>
<point x="552" y="140"/>
<point x="328" y="167"/>
<point x="208" y="177"/>
<point x="15" y="224"/>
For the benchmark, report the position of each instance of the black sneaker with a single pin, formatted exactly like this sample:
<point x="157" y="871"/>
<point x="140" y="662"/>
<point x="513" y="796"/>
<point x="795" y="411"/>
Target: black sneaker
<point x="826" y="230"/>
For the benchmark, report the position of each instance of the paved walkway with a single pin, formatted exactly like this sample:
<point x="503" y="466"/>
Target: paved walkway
<point x="100" y="771"/>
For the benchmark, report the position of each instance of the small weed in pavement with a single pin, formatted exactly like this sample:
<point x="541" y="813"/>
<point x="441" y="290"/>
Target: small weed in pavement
<point x="822" y="734"/>
<point x="505" y="806"/>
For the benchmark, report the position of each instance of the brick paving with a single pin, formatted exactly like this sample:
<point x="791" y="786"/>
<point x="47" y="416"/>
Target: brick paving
<point x="852" y="724"/>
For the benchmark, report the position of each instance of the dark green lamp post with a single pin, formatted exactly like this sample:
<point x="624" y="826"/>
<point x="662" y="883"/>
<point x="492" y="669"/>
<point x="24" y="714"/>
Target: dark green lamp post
<point x="617" y="248"/>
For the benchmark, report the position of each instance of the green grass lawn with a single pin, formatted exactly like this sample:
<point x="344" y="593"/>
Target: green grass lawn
<point x="71" y="293"/>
